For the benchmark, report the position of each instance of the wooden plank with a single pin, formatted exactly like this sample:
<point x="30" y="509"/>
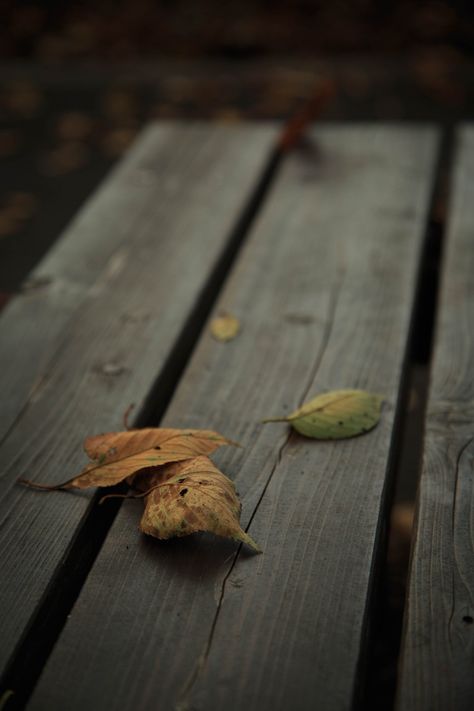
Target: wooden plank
<point x="100" y="237"/>
<point x="324" y="289"/>
<point x="438" y="645"/>
<point x="30" y="327"/>
<point x="190" y="185"/>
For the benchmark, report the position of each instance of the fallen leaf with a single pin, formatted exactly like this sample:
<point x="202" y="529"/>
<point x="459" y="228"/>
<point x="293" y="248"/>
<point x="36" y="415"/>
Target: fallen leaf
<point x="225" y="328"/>
<point x="193" y="496"/>
<point x="119" y="455"/>
<point x="336" y="415"/>
<point x="112" y="446"/>
<point x="184" y="492"/>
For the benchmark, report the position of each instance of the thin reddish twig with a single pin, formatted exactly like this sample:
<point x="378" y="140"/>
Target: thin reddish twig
<point x="126" y="415"/>
<point x="296" y="126"/>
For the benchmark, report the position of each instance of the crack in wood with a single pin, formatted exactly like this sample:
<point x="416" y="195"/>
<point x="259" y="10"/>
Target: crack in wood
<point x="185" y="692"/>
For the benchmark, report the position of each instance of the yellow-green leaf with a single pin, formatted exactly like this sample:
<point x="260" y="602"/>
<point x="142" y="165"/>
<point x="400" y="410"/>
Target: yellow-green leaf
<point x="193" y="496"/>
<point x="336" y="415"/>
<point x="225" y="328"/>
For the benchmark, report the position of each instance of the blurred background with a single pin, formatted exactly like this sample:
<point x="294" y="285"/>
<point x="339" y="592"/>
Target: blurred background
<point x="78" y="81"/>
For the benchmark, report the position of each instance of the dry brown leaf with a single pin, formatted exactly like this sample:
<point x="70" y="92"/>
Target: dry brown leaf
<point x="112" y="446"/>
<point x="183" y="490"/>
<point x="120" y="455"/>
<point x="193" y="496"/>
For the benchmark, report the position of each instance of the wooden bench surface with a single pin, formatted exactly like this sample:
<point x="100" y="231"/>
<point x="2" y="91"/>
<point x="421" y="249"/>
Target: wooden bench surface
<point x="438" y="648"/>
<point x="324" y="286"/>
<point x="125" y="281"/>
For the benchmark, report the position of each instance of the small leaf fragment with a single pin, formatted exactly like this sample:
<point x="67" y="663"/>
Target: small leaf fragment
<point x="225" y="328"/>
<point x="338" y="414"/>
<point x="193" y="496"/>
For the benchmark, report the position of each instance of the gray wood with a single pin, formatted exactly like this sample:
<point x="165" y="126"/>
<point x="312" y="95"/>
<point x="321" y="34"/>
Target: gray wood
<point x="324" y="290"/>
<point x="437" y="670"/>
<point x="146" y="186"/>
<point x="31" y="325"/>
<point x="174" y="205"/>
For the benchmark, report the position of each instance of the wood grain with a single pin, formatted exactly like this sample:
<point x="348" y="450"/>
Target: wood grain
<point x="101" y="237"/>
<point x="151" y="240"/>
<point x="438" y="645"/>
<point x="324" y="290"/>
<point x="31" y="326"/>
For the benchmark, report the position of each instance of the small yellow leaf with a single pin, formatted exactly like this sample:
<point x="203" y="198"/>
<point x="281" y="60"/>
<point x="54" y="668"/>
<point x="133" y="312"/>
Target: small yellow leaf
<point x="225" y="328"/>
<point x="193" y="496"/>
<point x="336" y="415"/>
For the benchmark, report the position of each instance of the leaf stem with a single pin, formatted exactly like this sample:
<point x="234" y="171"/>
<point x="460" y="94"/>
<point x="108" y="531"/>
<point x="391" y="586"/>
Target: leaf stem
<point x="132" y="496"/>
<point x="44" y="487"/>
<point x="126" y="415"/>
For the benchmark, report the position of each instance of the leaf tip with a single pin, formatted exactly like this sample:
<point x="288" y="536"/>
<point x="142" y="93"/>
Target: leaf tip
<point x="248" y="540"/>
<point x="233" y="443"/>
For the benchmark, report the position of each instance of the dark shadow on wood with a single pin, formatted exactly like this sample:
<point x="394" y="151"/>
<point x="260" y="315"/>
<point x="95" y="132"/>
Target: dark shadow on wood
<point x="40" y="637"/>
<point x="195" y="558"/>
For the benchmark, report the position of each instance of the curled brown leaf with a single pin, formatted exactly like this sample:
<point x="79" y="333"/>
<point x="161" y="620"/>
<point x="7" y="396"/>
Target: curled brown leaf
<point x="120" y="455"/>
<point x="193" y="496"/>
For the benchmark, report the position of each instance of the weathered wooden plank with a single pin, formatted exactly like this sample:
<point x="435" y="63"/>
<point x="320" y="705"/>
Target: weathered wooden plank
<point x="438" y="645"/>
<point x="31" y="325"/>
<point x="174" y="206"/>
<point x="324" y="289"/>
<point x="100" y="238"/>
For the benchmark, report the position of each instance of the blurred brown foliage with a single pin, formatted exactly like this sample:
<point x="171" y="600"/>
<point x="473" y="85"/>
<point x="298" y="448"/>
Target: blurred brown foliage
<point x="134" y="29"/>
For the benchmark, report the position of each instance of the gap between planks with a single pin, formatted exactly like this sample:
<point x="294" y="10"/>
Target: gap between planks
<point x="385" y="641"/>
<point x="437" y="645"/>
